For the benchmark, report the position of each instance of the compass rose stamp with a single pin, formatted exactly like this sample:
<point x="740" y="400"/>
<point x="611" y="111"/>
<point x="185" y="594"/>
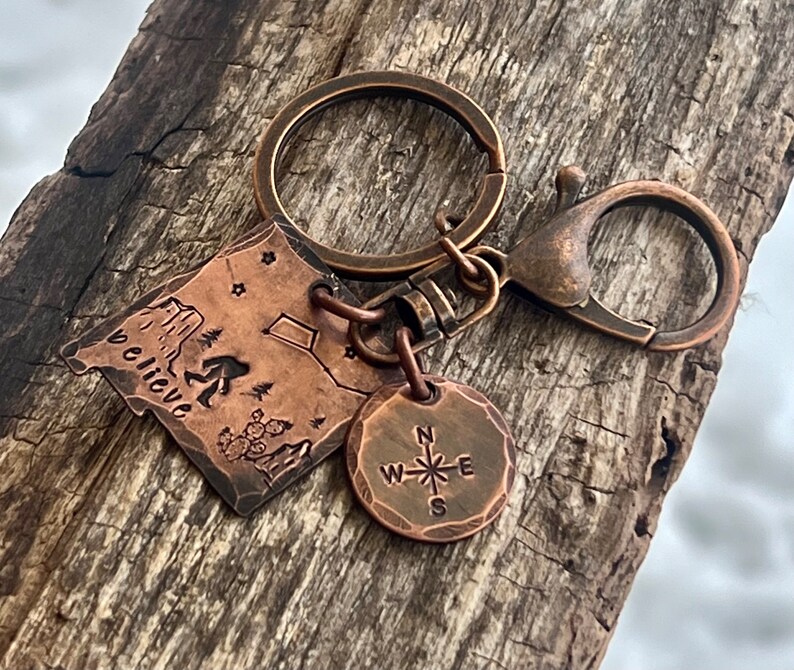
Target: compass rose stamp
<point x="437" y="471"/>
<point x="430" y="469"/>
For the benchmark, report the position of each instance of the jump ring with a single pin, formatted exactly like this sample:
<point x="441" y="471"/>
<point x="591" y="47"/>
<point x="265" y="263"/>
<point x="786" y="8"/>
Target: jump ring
<point x="469" y="269"/>
<point x="322" y="297"/>
<point x="410" y="365"/>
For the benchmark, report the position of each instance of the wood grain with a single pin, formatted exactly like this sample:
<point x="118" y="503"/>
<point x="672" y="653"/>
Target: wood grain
<point x="115" y="553"/>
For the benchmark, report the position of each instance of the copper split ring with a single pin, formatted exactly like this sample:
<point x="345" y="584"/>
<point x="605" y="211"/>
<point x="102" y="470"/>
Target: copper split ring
<point x="374" y="84"/>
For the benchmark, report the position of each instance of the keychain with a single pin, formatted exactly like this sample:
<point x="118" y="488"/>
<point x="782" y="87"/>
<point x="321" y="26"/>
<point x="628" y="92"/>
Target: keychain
<point x="257" y="360"/>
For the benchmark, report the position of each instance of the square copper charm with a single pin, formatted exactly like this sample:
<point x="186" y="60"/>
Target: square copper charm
<point x="253" y="382"/>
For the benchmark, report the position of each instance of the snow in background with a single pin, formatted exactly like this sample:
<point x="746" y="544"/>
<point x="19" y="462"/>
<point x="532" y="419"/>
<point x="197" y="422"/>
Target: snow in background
<point x="717" y="589"/>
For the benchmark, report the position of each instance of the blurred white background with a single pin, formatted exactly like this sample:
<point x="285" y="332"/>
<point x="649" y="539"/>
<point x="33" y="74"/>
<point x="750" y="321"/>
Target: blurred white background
<point x="717" y="588"/>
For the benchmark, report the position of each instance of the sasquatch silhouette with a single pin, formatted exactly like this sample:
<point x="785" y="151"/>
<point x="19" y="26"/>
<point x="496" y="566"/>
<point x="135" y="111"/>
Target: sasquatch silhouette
<point x="220" y="371"/>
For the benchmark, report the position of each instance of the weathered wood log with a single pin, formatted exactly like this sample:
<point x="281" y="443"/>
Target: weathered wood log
<point x="114" y="551"/>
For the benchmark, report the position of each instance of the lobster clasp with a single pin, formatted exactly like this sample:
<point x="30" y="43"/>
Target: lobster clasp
<point x="551" y="265"/>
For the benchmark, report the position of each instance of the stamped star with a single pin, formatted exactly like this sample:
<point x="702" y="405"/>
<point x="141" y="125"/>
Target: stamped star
<point x="268" y="257"/>
<point x="350" y="352"/>
<point x="238" y="290"/>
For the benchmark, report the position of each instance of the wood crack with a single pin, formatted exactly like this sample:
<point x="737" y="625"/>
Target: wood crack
<point x="600" y="426"/>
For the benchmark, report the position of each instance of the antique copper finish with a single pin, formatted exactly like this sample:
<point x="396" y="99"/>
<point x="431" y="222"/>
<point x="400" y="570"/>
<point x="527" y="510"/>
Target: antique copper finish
<point x="255" y="383"/>
<point x="427" y="309"/>
<point x="452" y="250"/>
<point x="246" y="361"/>
<point x="322" y="297"/>
<point x="551" y="265"/>
<point x="436" y="471"/>
<point x="371" y="84"/>
<point x="409" y="362"/>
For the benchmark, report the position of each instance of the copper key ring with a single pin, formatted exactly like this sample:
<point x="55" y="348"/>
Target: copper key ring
<point x="396" y="84"/>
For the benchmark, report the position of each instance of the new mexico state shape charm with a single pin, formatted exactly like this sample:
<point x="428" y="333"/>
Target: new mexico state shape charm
<point x="253" y="382"/>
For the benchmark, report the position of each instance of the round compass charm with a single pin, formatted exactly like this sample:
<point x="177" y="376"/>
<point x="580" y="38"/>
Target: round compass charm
<point x="436" y="471"/>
